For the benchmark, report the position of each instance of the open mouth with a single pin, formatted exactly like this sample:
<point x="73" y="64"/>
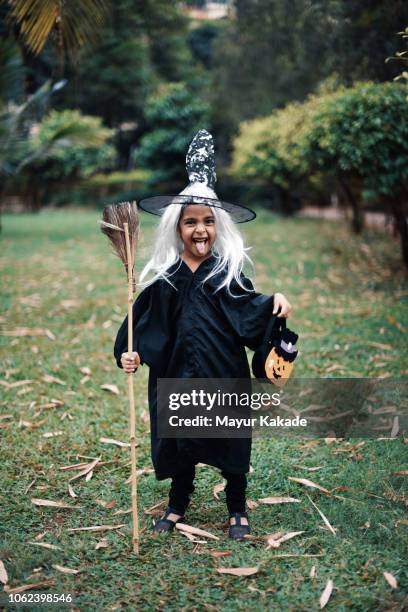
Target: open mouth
<point x="200" y="244"/>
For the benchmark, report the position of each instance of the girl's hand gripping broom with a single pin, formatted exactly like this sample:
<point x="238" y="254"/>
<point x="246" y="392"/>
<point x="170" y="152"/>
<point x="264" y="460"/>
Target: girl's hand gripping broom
<point x="121" y="225"/>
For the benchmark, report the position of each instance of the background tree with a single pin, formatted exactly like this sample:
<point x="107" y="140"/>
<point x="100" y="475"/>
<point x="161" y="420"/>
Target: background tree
<point x="173" y="116"/>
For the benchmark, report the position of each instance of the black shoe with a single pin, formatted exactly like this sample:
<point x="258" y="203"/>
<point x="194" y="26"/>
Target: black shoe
<point x="238" y="531"/>
<point x="166" y="524"/>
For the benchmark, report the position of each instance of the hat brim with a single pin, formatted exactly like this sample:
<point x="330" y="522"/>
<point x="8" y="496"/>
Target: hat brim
<point x="157" y="205"/>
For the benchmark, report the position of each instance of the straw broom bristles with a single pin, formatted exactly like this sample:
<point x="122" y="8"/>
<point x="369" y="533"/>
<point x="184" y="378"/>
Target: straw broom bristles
<point x="121" y="225"/>
<point x="114" y="216"/>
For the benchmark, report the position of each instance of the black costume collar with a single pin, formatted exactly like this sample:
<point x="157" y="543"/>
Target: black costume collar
<point x="205" y="265"/>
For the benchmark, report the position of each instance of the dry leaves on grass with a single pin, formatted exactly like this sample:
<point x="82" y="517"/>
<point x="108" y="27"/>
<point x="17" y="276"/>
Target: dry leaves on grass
<point x="29" y="587"/>
<point x="71" y="491"/>
<point x="157" y="508"/>
<point x="65" y="570"/>
<point x="106" y="504"/>
<point x="196" y="531"/>
<point x="218" y="488"/>
<point x="274" y="540"/>
<point x="325" y="520"/>
<point x="17" y="383"/>
<point x="309" y="483"/>
<point x="252" y="504"/>
<point x="52" y="504"/>
<point x="52" y="434"/>
<point x="48" y="378"/>
<point x="102" y="544"/>
<point x="86" y="470"/>
<point x="313" y="572"/>
<point x="401" y="473"/>
<point x="238" y="571"/>
<point x="97" y="528"/>
<point x="220" y="553"/>
<point x="115" y="442"/>
<point x="392" y="581"/>
<point x="28" y="331"/>
<point x="45" y="545"/>
<point x="278" y="500"/>
<point x="325" y="596"/>
<point x="111" y="388"/>
<point x="3" y="573"/>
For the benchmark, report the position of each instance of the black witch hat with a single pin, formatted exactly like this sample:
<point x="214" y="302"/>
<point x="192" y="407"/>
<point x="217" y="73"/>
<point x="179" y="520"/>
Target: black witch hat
<point x="200" y="165"/>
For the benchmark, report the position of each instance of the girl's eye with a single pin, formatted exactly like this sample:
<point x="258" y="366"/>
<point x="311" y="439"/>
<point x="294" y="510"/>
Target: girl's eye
<point x="209" y="221"/>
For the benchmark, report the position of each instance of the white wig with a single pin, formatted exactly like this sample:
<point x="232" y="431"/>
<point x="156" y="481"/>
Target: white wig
<point x="228" y="249"/>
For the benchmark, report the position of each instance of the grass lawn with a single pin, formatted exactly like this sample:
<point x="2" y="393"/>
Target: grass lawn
<point x="350" y="308"/>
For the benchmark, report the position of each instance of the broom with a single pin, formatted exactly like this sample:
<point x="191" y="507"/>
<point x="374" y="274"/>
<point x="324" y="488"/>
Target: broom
<point x="121" y="225"/>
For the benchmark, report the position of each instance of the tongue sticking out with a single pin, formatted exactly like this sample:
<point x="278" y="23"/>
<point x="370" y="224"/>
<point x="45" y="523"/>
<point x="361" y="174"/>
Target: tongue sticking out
<point x="200" y="247"/>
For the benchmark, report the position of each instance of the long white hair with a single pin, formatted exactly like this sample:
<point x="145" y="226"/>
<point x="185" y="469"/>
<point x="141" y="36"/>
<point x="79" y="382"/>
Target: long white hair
<point x="228" y="249"/>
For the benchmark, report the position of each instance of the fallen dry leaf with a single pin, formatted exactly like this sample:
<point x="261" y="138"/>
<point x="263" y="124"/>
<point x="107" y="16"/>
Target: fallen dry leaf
<point x="309" y="483"/>
<point x="97" y="528"/>
<point x="274" y="542"/>
<point x="278" y="500"/>
<point x="19" y="383"/>
<point x="52" y="434"/>
<point x="29" y="587"/>
<point x="326" y="522"/>
<point x="122" y="512"/>
<point x="308" y="469"/>
<point x="89" y="476"/>
<point x="106" y="504"/>
<point x="238" y="571"/>
<point x="252" y="504"/>
<point x="46" y="545"/>
<point x="313" y="572"/>
<point x="218" y="488"/>
<point x="220" y="553"/>
<point x="391" y="580"/>
<point x="3" y="573"/>
<point x="71" y="491"/>
<point x="102" y="544"/>
<point x="65" y="570"/>
<point x="325" y="596"/>
<point x="52" y="504"/>
<point x="86" y="470"/>
<point x="48" y="378"/>
<point x="75" y="466"/>
<point x="111" y="388"/>
<point x="155" y="509"/>
<point x="196" y="531"/>
<point x="116" y="442"/>
<point x="28" y="331"/>
<point x="85" y="370"/>
<point x="401" y="473"/>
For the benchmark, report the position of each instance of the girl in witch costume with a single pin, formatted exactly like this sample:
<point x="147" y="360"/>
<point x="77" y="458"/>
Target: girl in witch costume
<point x="193" y="319"/>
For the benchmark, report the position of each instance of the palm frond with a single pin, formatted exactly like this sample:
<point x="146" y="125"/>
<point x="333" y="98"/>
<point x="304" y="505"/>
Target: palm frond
<point x="76" y="21"/>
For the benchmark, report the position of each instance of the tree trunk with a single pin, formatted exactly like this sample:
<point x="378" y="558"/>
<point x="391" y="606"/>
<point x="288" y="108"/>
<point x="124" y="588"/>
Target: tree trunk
<point x="399" y="212"/>
<point x="357" y="221"/>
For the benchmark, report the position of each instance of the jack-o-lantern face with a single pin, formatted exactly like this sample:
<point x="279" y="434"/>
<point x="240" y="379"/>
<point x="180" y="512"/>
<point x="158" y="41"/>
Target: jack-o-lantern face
<point x="277" y="369"/>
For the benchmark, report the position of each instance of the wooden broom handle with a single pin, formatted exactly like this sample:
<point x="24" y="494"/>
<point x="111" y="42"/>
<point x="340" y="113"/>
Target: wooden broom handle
<point x="132" y="417"/>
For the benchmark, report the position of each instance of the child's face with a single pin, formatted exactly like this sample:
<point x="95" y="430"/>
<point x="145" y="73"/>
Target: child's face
<point x="197" y="230"/>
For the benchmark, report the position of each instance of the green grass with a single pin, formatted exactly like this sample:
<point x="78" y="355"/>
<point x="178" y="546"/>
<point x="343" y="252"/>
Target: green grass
<point x="347" y="292"/>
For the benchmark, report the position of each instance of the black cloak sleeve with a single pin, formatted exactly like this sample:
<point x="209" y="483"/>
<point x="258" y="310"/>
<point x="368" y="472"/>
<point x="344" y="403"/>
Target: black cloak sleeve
<point x="248" y="312"/>
<point x="151" y="328"/>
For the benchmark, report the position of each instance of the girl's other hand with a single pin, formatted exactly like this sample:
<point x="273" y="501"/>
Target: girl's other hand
<point x="280" y="302"/>
<point x="130" y="362"/>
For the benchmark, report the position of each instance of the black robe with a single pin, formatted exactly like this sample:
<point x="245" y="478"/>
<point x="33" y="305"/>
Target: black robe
<point x="188" y="331"/>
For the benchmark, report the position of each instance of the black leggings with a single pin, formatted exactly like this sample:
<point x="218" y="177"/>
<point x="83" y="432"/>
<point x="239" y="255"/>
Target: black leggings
<point x="182" y="486"/>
